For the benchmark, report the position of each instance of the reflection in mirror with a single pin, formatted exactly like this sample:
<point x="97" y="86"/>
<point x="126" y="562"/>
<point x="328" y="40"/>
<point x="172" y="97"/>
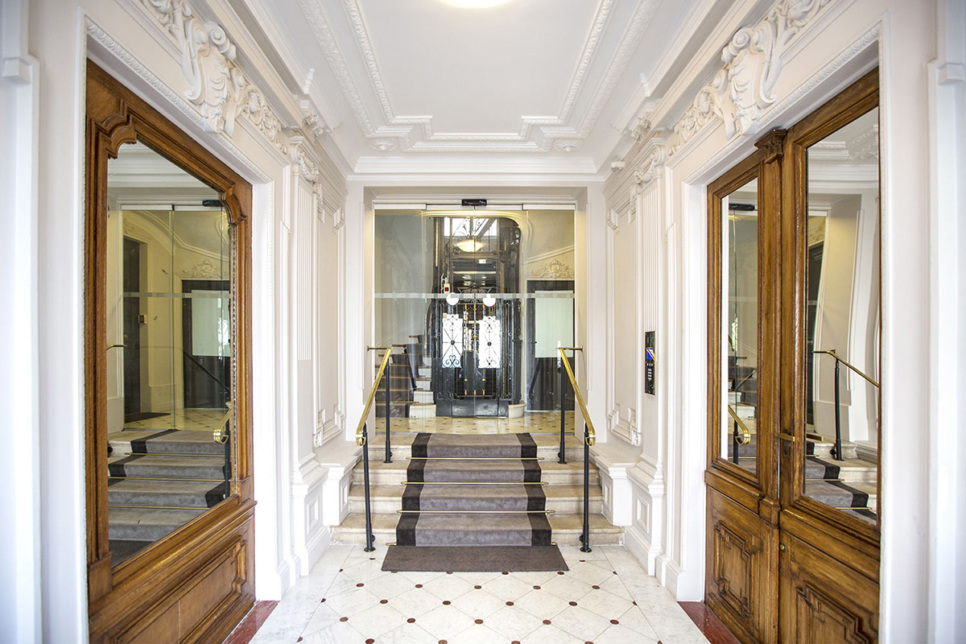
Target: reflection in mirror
<point x="739" y="326"/>
<point x="169" y="333"/>
<point x="842" y="319"/>
<point x="475" y="306"/>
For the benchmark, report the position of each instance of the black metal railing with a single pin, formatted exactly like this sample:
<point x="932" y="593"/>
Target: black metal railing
<point x="837" y="455"/>
<point x="590" y="437"/>
<point x="740" y="434"/>
<point x="362" y="438"/>
<point x="222" y="434"/>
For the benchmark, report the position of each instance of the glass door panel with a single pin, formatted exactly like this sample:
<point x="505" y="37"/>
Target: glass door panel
<point x="842" y="319"/>
<point x="739" y="326"/>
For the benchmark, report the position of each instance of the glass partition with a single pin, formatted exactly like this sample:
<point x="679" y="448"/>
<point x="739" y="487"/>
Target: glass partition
<point x="475" y="305"/>
<point x="170" y="330"/>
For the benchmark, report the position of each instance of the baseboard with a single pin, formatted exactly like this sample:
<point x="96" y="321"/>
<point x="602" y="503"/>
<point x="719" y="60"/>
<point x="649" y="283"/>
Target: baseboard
<point x="638" y="545"/>
<point x="316" y="547"/>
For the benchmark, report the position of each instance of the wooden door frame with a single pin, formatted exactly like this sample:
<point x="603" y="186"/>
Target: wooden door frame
<point x="742" y="508"/>
<point x="157" y="588"/>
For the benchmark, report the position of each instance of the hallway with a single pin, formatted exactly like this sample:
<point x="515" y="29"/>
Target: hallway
<point x="605" y="597"/>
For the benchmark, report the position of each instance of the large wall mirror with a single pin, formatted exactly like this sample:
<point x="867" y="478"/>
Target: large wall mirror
<point x="170" y="337"/>
<point x="167" y="302"/>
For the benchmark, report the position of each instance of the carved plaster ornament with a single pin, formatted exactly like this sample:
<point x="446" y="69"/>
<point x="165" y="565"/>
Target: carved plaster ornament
<point x="204" y="269"/>
<point x="552" y="270"/>
<point x="299" y="157"/>
<point x="649" y="168"/>
<point x="741" y="90"/>
<point x="217" y="86"/>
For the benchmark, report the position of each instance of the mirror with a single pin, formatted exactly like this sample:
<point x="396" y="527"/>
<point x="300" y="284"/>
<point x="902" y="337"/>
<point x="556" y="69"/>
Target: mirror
<point x="170" y="338"/>
<point x="739" y="326"/>
<point x="843" y="319"/>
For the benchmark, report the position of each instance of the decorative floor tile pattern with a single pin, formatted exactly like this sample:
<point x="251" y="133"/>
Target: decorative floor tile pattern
<point x="605" y="597"/>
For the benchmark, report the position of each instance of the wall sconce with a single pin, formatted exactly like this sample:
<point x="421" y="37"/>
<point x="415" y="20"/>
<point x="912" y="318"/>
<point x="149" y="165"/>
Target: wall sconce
<point x="452" y="299"/>
<point x="488" y="300"/>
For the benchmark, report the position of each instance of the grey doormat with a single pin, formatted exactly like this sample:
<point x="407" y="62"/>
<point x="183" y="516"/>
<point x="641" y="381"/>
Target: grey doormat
<point x="473" y="559"/>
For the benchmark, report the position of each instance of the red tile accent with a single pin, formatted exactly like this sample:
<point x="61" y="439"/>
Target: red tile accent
<point x="343" y="619"/>
<point x="411" y="620"/>
<point x="573" y="603"/>
<point x="246" y="630"/>
<point x="446" y="602"/>
<point x="614" y="621"/>
<point x="477" y="587"/>
<point x="546" y="621"/>
<point x="383" y="601"/>
<point x="478" y="621"/>
<point x="708" y="623"/>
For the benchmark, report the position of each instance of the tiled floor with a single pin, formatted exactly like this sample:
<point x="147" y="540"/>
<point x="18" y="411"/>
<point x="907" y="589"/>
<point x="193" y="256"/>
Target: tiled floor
<point x="535" y="423"/>
<point x="605" y="597"/>
<point x="199" y="419"/>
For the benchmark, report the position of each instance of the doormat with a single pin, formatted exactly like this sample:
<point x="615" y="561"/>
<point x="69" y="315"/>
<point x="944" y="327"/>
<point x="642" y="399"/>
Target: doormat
<point x="473" y="559"/>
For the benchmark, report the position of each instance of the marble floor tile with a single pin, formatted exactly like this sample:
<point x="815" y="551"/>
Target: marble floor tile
<point x="348" y="598"/>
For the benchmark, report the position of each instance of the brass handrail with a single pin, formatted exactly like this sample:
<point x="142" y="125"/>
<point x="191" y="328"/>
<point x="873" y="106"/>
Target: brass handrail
<point x="745" y="432"/>
<point x="591" y="434"/>
<point x="219" y="435"/>
<point x="372" y="394"/>
<point x="832" y="353"/>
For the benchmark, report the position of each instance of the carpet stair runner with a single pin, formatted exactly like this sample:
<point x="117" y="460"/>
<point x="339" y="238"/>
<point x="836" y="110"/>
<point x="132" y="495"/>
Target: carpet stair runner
<point x="562" y="492"/>
<point x="159" y="481"/>
<point x="439" y="510"/>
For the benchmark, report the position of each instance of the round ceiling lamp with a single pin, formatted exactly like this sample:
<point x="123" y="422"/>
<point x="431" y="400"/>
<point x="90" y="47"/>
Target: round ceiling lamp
<point x="475" y="4"/>
<point x="488" y="300"/>
<point x="469" y="245"/>
<point x="452" y="299"/>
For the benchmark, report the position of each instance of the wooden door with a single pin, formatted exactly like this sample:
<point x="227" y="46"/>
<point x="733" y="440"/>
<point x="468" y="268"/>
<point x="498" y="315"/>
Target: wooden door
<point x="792" y="546"/>
<point x="743" y="369"/>
<point x="829" y="537"/>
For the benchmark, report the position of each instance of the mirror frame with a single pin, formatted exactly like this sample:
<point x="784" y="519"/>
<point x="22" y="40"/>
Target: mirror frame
<point x="116" y="116"/>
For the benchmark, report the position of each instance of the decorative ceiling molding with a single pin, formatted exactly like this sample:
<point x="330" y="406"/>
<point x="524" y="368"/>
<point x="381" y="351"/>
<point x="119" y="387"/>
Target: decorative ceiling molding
<point x="744" y="87"/>
<point x="388" y="132"/>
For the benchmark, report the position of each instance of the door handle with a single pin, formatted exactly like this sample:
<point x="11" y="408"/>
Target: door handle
<point x="786" y="437"/>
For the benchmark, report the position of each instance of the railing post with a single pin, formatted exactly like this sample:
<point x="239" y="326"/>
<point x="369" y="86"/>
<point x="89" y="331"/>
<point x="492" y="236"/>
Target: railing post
<point x="585" y="537"/>
<point x="838" y="420"/>
<point x="734" y="442"/>
<point x="563" y="417"/>
<point x="388" y="377"/>
<point x="365" y="473"/>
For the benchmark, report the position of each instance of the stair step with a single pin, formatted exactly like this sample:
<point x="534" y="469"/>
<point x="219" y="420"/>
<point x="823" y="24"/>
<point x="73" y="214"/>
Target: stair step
<point x="166" y="494"/>
<point x="851" y="470"/>
<point x="561" y="498"/>
<point x="566" y="529"/>
<point x="548" y="446"/>
<point x="423" y="409"/>
<point x="837" y="496"/>
<point x="138" y="524"/>
<point x="152" y="466"/>
<point x="185" y="441"/>
<point x="823" y="449"/>
<point x="394" y="473"/>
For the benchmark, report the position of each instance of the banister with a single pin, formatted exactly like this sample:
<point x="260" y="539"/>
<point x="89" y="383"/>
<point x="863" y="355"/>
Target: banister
<point x="360" y="437"/>
<point x="745" y="432"/>
<point x="591" y="437"/>
<point x="832" y="353"/>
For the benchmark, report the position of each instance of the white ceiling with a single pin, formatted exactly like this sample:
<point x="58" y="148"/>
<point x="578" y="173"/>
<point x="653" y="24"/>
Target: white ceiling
<point x="549" y="86"/>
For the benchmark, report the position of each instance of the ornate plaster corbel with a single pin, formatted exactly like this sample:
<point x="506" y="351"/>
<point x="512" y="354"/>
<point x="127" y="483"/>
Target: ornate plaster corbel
<point x="300" y="158"/>
<point x="651" y="166"/>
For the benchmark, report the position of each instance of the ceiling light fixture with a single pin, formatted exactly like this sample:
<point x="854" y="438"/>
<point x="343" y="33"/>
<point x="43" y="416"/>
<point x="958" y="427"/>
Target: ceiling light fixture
<point x="475" y="4"/>
<point x="489" y="300"/>
<point x="469" y="245"/>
